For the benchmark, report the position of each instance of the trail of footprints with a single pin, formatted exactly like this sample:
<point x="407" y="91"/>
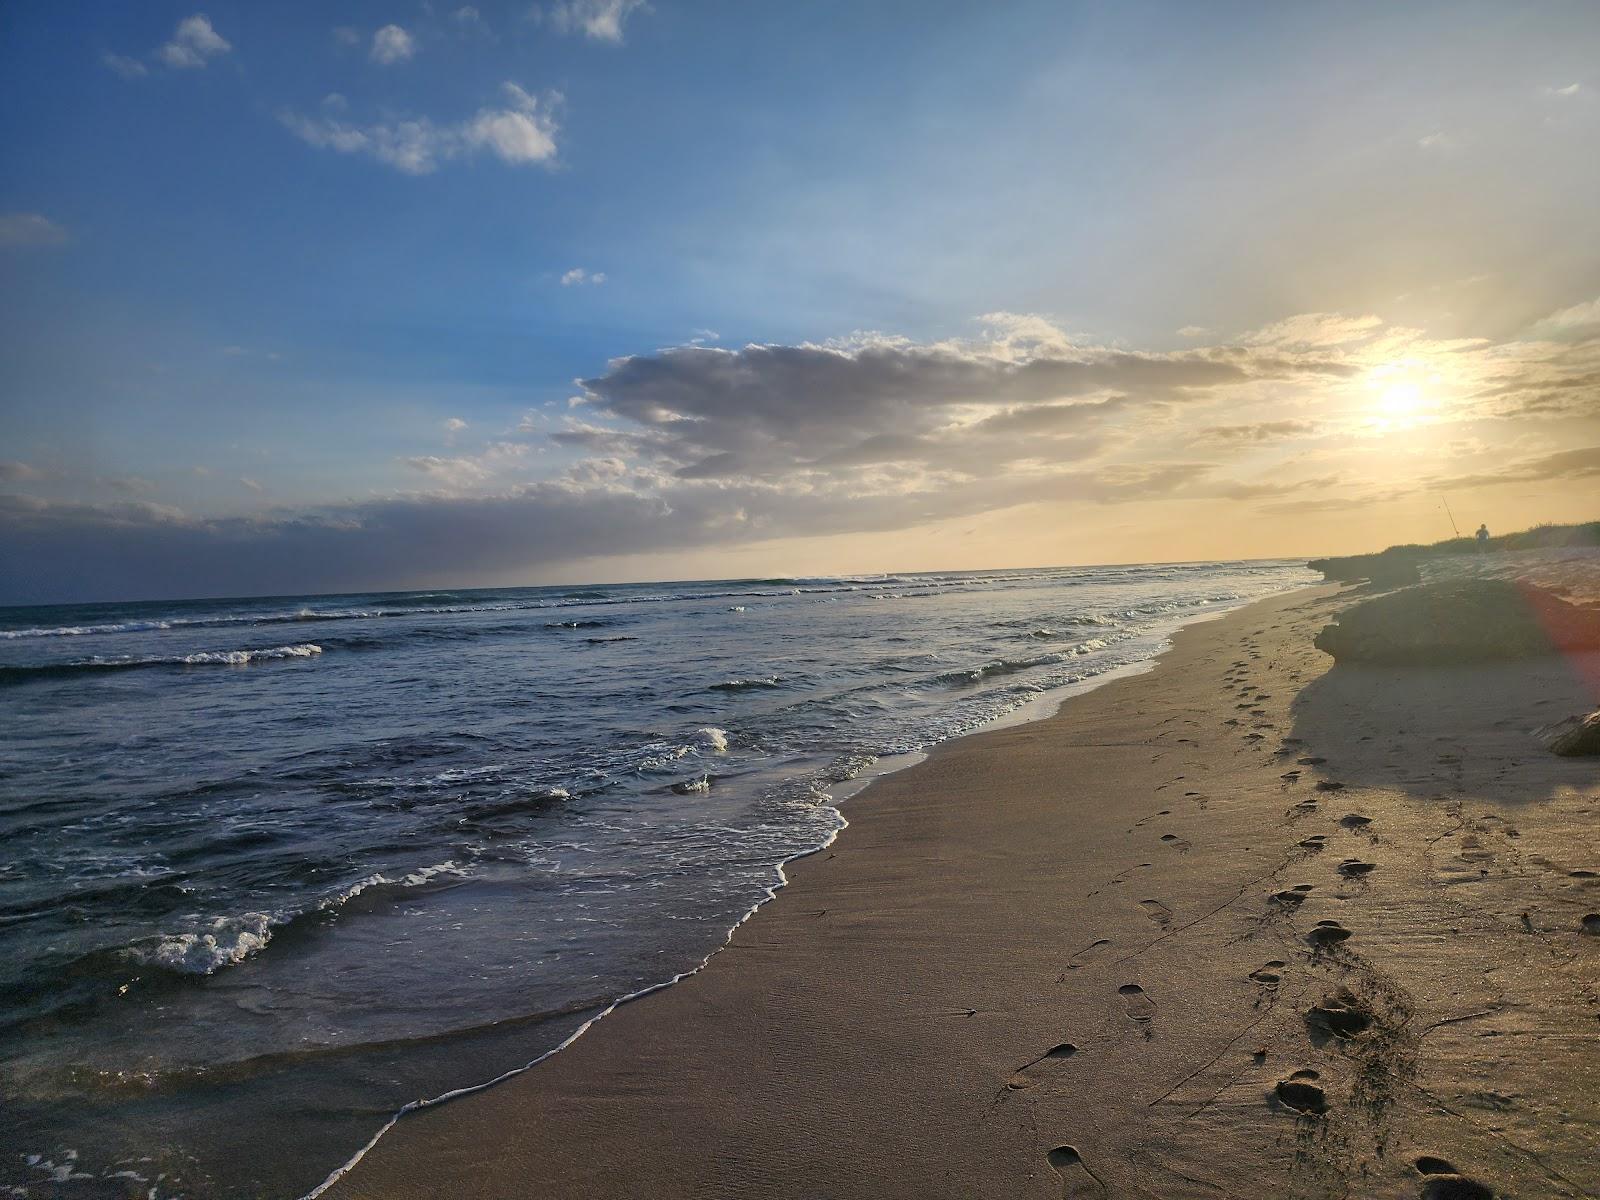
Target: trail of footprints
<point x="1340" y="1017"/>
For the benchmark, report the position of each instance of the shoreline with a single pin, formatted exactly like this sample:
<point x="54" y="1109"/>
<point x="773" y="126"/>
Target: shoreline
<point x="744" y="1055"/>
<point x="1045" y="707"/>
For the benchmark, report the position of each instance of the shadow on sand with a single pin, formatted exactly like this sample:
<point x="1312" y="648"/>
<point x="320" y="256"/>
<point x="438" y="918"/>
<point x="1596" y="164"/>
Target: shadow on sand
<point x="1448" y="732"/>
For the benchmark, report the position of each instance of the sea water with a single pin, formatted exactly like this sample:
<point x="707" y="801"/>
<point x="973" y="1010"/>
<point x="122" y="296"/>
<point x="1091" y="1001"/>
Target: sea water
<point x="273" y="868"/>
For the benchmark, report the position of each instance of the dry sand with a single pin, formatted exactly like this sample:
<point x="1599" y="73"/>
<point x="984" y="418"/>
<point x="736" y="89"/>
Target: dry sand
<point x="1078" y="956"/>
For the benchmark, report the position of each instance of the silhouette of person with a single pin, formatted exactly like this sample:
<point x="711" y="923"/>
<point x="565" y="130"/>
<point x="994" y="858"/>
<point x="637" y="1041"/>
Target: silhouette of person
<point x="1483" y="536"/>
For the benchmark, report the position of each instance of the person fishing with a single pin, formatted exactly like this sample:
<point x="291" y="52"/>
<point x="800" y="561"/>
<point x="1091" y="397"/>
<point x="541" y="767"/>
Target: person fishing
<point x="1483" y="536"/>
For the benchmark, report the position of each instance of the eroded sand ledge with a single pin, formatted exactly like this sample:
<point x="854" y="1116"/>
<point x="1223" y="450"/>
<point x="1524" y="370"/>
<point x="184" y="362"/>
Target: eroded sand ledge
<point x="1080" y="957"/>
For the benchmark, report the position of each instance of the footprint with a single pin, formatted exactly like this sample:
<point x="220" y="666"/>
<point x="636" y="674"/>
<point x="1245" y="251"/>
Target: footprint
<point x="1176" y="842"/>
<point x="1090" y="951"/>
<point x="1157" y="912"/>
<point x="1355" y="821"/>
<point x="1590" y="924"/>
<point x="1136" y="1002"/>
<point x="1268" y="973"/>
<point x="1447" y="1183"/>
<point x="1310" y="760"/>
<point x="1031" y="1073"/>
<point x="1354" y="868"/>
<point x="1329" y="785"/>
<point x="1327" y="933"/>
<point x="1302" y="1093"/>
<point x="1076" y="1177"/>
<point x="1455" y="1187"/>
<point x="1314" y="842"/>
<point x="1290" y="897"/>
<point x="1341" y="1016"/>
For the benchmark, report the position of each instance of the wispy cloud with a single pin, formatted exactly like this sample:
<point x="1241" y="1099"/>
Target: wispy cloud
<point x="1564" y="321"/>
<point x="1261" y="431"/>
<point x="599" y="20"/>
<point x="27" y="229"/>
<point x="121" y="64"/>
<point x="391" y="45"/>
<point x="194" y="42"/>
<point x="1566" y="90"/>
<point x="578" y="277"/>
<point x="520" y="132"/>
<point x="1308" y="331"/>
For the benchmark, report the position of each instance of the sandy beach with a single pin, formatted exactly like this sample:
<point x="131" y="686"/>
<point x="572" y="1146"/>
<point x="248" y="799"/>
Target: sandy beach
<point x="1243" y="925"/>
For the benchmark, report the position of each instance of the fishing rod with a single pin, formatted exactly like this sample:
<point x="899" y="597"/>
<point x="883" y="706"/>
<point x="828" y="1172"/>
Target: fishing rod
<point x="1451" y="515"/>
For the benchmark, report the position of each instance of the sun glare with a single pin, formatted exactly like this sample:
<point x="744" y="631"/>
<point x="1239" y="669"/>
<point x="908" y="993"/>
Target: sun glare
<point x="1401" y="395"/>
<point x="1400" y="400"/>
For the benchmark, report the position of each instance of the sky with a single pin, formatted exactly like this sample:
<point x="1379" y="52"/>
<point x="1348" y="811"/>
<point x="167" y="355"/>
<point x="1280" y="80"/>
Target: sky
<point x="341" y="296"/>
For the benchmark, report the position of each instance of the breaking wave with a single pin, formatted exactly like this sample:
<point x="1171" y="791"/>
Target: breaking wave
<point x="226" y="658"/>
<point x="219" y="942"/>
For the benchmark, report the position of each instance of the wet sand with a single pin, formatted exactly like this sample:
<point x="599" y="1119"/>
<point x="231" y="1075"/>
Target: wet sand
<point x="1245" y="925"/>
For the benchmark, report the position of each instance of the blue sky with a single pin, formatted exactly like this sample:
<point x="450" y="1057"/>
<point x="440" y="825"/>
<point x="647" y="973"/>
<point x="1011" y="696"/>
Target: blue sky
<point x="264" y="264"/>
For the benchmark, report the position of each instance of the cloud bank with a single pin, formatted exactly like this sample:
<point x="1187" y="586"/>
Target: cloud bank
<point x="696" y="446"/>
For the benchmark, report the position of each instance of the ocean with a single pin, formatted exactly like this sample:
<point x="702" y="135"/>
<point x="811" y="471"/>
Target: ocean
<point x="274" y="868"/>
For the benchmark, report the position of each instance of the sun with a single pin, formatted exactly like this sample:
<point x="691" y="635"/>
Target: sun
<point x="1400" y="400"/>
<point x="1401" y="396"/>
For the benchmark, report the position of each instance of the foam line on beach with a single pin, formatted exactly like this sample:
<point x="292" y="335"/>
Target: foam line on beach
<point x="767" y="896"/>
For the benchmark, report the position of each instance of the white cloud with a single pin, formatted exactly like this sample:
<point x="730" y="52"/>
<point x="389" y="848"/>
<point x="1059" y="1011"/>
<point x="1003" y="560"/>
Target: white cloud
<point x="1437" y="142"/>
<point x="465" y="471"/>
<point x="1316" y="330"/>
<point x="345" y="35"/>
<point x="29" y="229"/>
<point x="452" y="472"/>
<point x="128" y="68"/>
<point x="1571" y="89"/>
<point x="251" y="484"/>
<point x="468" y="17"/>
<point x="193" y="42"/>
<point x="598" y="20"/>
<point x="577" y="277"/>
<point x="521" y="133"/>
<point x="454" y="425"/>
<point x="1193" y="331"/>
<point x="1024" y="333"/>
<point x="1578" y="316"/>
<point x="391" y="45"/>
<point x="14" y="470"/>
<point x="517" y="134"/>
